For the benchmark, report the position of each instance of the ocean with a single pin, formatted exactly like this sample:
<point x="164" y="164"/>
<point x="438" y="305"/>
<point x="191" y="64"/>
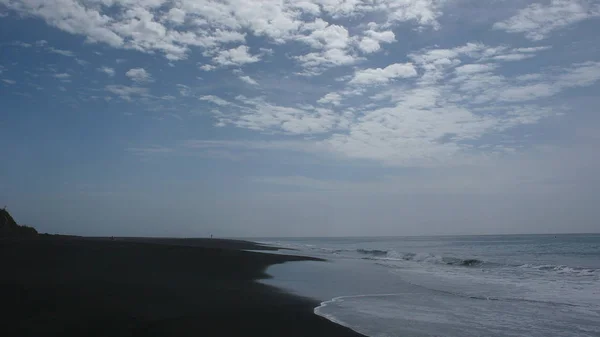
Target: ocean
<point x="505" y="285"/>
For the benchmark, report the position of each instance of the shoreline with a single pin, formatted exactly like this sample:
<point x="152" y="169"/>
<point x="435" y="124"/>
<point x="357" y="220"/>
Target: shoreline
<point x="61" y="286"/>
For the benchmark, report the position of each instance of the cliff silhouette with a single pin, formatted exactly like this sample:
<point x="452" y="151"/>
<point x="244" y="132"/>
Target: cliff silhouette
<point x="10" y="228"/>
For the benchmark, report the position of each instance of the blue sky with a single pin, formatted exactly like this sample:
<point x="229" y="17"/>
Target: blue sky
<point x="317" y="117"/>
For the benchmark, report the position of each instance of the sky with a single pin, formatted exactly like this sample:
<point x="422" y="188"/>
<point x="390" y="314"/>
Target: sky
<point x="259" y="118"/>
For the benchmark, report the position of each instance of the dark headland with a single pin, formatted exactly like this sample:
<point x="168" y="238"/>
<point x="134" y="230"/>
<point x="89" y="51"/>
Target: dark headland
<point x="73" y="286"/>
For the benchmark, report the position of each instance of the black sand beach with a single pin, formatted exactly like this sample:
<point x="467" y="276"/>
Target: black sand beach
<point x="57" y="286"/>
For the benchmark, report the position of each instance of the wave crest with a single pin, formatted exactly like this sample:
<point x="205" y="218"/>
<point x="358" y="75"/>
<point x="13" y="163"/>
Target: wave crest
<point x="561" y="269"/>
<point x="376" y="254"/>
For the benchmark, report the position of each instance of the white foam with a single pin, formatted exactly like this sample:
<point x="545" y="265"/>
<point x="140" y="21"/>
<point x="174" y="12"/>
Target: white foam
<point x="419" y="314"/>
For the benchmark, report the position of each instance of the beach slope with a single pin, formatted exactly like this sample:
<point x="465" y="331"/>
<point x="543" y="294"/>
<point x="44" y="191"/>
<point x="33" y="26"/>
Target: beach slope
<point x="59" y="286"/>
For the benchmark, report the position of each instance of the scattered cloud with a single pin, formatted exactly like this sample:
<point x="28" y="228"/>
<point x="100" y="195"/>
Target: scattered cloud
<point x="235" y="57"/>
<point x="372" y="40"/>
<point x="62" y="52"/>
<point x="7" y="81"/>
<point x="531" y="49"/>
<point x="384" y="75"/>
<point x="184" y="90"/>
<point x="538" y="20"/>
<point x="126" y="92"/>
<point x="248" y="80"/>
<point x="176" y="16"/>
<point x="266" y="51"/>
<point x="474" y="68"/>
<point x="107" y="70"/>
<point x="316" y="62"/>
<point x="62" y="76"/>
<point x="21" y="44"/>
<point x="331" y="98"/>
<point x="173" y="28"/>
<point x="214" y="99"/>
<point x="139" y="75"/>
<point x="422" y="107"/>
<point x="513" y="57"/>
<point x="207" y="67"/>
<point x="258" y="114"/>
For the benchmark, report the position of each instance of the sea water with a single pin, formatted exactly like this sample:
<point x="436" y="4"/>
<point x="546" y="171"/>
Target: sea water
<point x="525" y="285"/>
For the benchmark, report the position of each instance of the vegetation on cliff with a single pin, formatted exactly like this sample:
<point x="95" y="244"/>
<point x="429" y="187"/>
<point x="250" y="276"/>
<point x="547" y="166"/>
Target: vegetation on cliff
<point x="10" y="228"/>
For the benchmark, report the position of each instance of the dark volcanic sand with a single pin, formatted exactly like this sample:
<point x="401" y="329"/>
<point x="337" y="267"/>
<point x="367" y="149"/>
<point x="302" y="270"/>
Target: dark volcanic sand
<point x="54" y="286"/>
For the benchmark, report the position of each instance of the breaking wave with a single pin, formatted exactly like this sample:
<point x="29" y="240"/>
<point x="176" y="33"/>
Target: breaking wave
<point x="376" y="254"/>
<point x="392" y="255"/>
<point x="561" y="269"/>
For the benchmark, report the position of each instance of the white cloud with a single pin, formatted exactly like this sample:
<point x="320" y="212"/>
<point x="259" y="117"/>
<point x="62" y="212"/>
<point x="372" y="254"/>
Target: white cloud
<point x="316" y="62"/>
<point x="107" y="70"/>
<point x="579" y="75"/>
<point x="7" y="81"/>
<point x="513" y="57"/>
<point x="439" y="106"/>
<point x="173" y="27"/>
<point x="207" y="67"/>
<point x="424" y="12"/>
<point x="126" y="92"/>
<point x="528" y="87"/>
<point x="139" y="75"/>
<point x="332" y="44"/>
<point x="235" y="56"/>
<point x="531" y="49"/>
<point x="384" y="75"/>
<point x="386" y="36"/>
<point x="266" y="51"/>
<point x="433" y="119"/>
<point x="62" y="52"/>
<point x="371" y="42"/>
<point x="62" y="76"/>
<point x="248" y="80"/>
<point x="474" y="68"/>
<point x="331" y="98"/>
<point x="369" y="45"/>
<point x="176" y="15"/>
<point x="327" y="36"/>
<point x="21" y="44"/>
<point x="529" y="77"/>
<point x="505" y="54"/>
<point x="214" y="99"/>
<point x="184" y="90"/>
<point x="260" y="115"/>
<point x="538" y="20"/>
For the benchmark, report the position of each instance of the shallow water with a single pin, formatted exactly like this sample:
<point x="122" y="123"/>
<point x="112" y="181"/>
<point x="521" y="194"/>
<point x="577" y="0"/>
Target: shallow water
<point x="529" y="285"/>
